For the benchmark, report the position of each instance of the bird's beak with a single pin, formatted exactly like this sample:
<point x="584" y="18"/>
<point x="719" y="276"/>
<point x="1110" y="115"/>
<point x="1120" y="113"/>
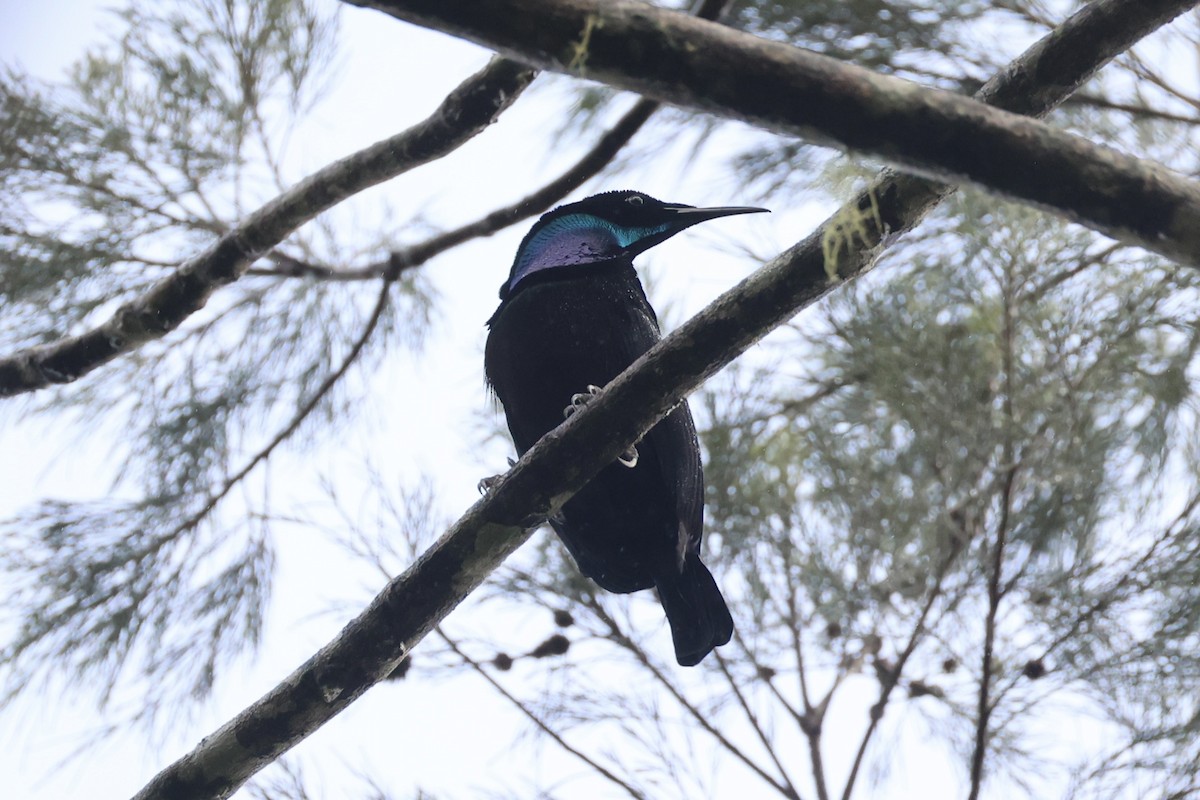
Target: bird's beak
<point x="690" y="215"/>
<point x="677" y="217"/>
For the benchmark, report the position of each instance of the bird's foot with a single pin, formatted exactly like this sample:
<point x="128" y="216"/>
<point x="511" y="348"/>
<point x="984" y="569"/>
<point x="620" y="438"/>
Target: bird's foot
<point x="485" y="485"/>
<point x="629" y="458"/>
<point x="581" y="399"/>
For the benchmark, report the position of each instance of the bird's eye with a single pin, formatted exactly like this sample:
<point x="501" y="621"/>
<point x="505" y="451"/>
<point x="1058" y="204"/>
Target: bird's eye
<point x="634" y="200"/>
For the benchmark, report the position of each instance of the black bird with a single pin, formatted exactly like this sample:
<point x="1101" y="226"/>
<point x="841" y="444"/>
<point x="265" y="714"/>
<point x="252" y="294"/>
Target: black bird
<point x="572" y="316"/>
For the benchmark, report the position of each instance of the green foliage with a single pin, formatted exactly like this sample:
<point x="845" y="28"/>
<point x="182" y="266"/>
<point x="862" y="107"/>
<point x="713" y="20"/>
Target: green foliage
<point x="158" y="144"/>
<point x="1005" y="400"/>
<point x="1030" y="393"/>
<point x="100" y="608"/>
<point x="884" y="35"/>
<point x="148" y="153"/>
<point x="1014" y="393"/>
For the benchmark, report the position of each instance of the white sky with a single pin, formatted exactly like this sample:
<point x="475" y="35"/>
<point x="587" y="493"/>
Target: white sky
<point x="448" y="736"/>
<point x="445" y="736"/>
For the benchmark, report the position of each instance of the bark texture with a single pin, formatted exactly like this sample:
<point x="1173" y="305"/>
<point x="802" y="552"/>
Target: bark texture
<point x="678" y="59"/>
<point x="411" y="605"/>
<point x="470" y="108"/>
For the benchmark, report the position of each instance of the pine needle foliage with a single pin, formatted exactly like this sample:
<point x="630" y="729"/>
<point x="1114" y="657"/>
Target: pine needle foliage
<point x="156" y="145"/>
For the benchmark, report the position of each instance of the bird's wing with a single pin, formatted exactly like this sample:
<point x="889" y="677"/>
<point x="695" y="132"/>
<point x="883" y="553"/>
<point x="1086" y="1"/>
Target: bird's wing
<point x="673" y="441"/>
<point x="677" y="435"/>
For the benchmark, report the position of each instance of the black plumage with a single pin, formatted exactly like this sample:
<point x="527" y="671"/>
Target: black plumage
<point x="573" y="314"/>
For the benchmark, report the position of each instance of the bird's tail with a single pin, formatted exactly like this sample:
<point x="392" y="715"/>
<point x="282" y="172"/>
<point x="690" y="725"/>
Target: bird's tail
<point x="696" y="611"/>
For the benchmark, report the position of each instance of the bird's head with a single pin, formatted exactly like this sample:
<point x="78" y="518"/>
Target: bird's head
<point x="604" y="227"/>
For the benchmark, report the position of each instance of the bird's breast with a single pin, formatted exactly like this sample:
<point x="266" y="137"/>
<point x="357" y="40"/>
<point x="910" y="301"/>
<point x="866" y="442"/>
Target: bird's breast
<point x="553" y="339"/>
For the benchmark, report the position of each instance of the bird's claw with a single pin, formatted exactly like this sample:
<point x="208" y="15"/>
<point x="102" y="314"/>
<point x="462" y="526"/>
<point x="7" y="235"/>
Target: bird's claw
<point x="485" y="485"/>
<point x="629" y="458"/>
<point x="581" y="399"/>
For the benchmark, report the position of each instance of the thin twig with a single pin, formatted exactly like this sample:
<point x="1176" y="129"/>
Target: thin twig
<point x="297" y="420"/>
<point x="755" y="725"/>
<point x="542" y="725"/>
<point x="1133" y="110"/>
<point x="995" y="577"/>
<point x="638" y="653"/>
<point x="812" y="722"/>
<point x="465" y="112"/>
<point x="893" y="677"/>
<point x="759" y="668"/>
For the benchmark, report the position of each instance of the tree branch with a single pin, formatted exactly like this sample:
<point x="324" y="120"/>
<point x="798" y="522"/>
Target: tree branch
<point x="781" y="785"/>
<point x="309" y="405"/>
<point x="414" y="255"/>
<point x="995" y="591"/>
<point x="466" y="111"/>
<point x="812" y="722"/>
<point x="756" y="726"/>
<point x="688" y="62"/>
<point x="592" y="162"/>
<point x="372" y="645"/>
<point x="537" y="720"/>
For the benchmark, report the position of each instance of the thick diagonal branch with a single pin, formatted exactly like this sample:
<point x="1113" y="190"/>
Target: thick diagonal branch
<point x="410" y="606"/>
<point x="465" y="112"/>
<point x="410" y="256"/>
<point x="597" y="158"/>
<point x="678" y="59"/>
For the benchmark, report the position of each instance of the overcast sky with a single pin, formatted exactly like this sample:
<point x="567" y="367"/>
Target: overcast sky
<point x="412" y="734"/>
<point x="450" y="737"/>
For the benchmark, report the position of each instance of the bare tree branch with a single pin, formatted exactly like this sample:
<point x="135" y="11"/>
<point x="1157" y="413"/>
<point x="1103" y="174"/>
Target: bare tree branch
<point x="1135" y="110"/>
<point x="465" y="112"/>
<point x="757" y="726"/>
<point x="536" y="720"/>
<point x="782" y="785"/>
<point x="592" y="162"/>
<point x="681" y="60"/>
<point x="1010" y="465"/>
<point x="410" y="606"/>
<point x="892" y="678"/>
<point x="812" y="721"/>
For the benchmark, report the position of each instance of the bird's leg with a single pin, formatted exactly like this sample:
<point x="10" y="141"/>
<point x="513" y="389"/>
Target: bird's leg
<point x="629" y="458"/>
<point x="485" y="485"/>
